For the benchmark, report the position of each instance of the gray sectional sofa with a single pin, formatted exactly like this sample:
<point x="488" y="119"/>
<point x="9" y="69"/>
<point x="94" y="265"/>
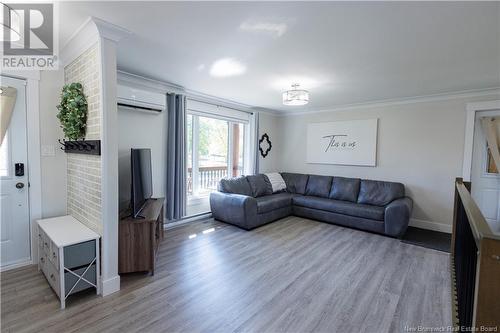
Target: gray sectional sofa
<point x="377" y="206"/>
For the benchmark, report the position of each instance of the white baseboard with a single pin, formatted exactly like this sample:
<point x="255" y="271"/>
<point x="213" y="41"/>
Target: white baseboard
<point x="431" y="225"/>
<point x="110" y="286"/>
<point x="16" y="265"/>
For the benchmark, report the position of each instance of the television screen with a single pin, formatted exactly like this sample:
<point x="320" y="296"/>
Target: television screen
<point x="142" y="187"/>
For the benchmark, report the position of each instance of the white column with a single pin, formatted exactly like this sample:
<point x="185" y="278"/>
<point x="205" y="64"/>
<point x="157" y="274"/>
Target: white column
<point x="109" y="179"/>
<point x="106" y="35"/>
<point x="109" y="35"/>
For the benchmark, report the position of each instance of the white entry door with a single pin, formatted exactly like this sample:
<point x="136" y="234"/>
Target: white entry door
<point x="14" y="217"/>
<point x="485" y="183"/>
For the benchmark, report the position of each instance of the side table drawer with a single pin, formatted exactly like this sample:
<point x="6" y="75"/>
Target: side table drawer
<point x="53" y="277"/>
<point x="70" y="279"/>
<point x="44" y="241"/>
<point x="79" y="254"/>
<point x="42" y="258"/>
<point x="53" y="255"/>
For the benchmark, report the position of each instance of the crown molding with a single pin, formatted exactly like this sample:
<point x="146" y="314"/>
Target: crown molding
<point x="109" y="30"/>
<point x="87" y="35"/>
<point x="140" y="81"/>
<point x="80" y="41"/>
<point x="400" y="101"/>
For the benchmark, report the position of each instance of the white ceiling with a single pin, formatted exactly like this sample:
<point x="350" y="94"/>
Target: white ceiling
<point x="343" y="53"/>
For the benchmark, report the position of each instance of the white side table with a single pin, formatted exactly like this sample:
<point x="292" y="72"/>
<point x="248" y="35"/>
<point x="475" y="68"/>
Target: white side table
<point x="68" y="256"/>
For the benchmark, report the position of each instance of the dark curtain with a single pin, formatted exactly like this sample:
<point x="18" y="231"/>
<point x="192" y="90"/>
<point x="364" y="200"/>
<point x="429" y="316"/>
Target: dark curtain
<point x="176" y="157"/>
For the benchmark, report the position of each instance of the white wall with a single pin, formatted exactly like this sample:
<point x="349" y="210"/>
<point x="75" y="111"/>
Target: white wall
<point x="138" y="129"/>
<point x="53" y="168"/>
<point x="419" y="144"/>
<point x="268" y="123"/>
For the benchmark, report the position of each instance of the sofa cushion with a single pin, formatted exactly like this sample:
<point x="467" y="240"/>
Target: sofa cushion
<point x="340" y="207"/>
<point x="238" y="185"/>
<point x="260" y="185"/>
<point x="346" y="189"/>
<point x="271" y="202"/>
<point x="319" y="186"/>
<point x="379" y="193"/>
<point x="295" y="182"/>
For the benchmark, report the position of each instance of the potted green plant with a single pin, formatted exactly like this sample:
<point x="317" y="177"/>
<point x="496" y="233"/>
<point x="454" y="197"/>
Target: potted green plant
<point x="73" y="111"/>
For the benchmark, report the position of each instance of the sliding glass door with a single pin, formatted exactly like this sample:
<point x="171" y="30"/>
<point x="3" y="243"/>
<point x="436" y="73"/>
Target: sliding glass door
<point x="215" y="149"/>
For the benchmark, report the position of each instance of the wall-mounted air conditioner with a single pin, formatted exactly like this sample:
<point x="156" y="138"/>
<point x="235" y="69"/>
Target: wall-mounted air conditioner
<point x="140" y="100"/>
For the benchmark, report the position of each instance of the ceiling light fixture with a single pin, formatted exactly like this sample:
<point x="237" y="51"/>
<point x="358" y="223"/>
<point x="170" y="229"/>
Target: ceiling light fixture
<point x="295" y="96"/>
<point x="9" y="24"/>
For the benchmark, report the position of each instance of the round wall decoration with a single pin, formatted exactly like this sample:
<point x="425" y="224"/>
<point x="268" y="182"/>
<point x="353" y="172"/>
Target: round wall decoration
<point x="265" y="145"/>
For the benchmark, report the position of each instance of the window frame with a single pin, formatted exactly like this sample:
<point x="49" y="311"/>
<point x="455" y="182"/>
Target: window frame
<point x="195" y="143"/>
<point x="8" y="142"/>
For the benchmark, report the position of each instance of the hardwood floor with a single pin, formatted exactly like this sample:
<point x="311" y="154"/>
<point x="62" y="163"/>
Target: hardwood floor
<point x="293" y="275"/>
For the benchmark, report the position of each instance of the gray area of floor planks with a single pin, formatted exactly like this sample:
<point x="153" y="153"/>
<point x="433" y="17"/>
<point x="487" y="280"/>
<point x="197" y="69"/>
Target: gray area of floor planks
<point x="293" y="275"/>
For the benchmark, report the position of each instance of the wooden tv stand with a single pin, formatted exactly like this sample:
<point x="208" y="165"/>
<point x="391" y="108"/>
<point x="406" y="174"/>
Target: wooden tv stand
<point x="139" y="239"/>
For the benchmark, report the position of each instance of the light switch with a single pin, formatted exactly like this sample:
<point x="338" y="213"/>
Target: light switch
<point x="48" y="150"/>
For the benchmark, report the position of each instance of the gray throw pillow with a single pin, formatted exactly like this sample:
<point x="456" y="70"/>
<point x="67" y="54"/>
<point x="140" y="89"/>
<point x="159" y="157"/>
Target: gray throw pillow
<point x="260" y="185"/>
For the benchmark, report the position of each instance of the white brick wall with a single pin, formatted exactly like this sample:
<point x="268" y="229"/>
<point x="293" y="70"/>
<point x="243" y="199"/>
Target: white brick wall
<point x="84" y="171"/>
<point x="85" y="69"/>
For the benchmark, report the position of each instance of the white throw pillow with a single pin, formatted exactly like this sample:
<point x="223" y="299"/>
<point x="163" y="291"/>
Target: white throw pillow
<point x="277" y="182"/>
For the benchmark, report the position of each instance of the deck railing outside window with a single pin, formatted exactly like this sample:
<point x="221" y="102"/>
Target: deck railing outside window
<point x="208" y="177"/>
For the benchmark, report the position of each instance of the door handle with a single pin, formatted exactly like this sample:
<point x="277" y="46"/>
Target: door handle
<point x="19" y="185"/>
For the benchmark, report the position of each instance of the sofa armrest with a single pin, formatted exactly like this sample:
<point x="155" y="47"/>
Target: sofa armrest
<point x="232" y="208"/>
<point x="397" y="216"/>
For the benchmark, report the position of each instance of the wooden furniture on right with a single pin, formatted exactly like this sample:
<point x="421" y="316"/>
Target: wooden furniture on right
<point x="139" y="239"/>
<point x="475" y="265"/>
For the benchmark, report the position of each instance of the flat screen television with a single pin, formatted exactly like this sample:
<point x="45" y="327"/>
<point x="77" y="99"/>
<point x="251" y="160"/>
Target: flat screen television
<point x="142" y="187"/>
